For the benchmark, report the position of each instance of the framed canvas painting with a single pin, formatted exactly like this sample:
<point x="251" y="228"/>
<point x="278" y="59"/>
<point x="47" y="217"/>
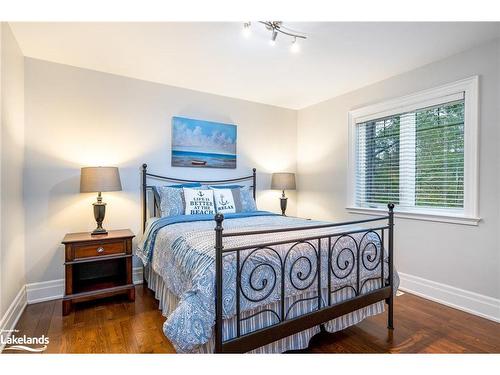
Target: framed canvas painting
<point x="203" y="144"/>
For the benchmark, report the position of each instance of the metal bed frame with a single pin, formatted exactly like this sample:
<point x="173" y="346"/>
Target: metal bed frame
<point x="340" y="268"/>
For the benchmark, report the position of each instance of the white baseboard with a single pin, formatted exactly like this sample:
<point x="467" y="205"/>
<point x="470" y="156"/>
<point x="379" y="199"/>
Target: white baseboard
<point x="473" y="303"/>
<point x="54" y="289"/>
<point x="45" y="291"/>
<point x="12" y="315"/>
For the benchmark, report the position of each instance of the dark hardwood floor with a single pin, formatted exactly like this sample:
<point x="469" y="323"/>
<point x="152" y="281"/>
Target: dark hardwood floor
<point x="119" y="326"/>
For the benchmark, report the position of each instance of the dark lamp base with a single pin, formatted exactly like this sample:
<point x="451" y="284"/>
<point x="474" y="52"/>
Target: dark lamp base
<point x="97" y="231"/>
<point x="283" y="202"/>
<point x="99" y="213"/>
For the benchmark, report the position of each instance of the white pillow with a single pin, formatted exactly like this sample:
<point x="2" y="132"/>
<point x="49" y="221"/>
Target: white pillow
<point x="224" y="201"/>
<point x="199" y="202"/>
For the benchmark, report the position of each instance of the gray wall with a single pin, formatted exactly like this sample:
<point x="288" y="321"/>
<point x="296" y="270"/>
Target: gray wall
<point x="12" y="268"/>
<point x="77" y="117"/>
<point x="465" y="257"/>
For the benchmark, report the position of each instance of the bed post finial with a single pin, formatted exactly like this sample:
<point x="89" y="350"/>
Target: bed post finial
<point x="219" y="218"/>
<point x="390" y="206"/>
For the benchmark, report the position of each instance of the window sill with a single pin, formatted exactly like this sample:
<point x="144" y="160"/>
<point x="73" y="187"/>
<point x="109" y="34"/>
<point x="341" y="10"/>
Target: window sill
<point x="463" y="220"/>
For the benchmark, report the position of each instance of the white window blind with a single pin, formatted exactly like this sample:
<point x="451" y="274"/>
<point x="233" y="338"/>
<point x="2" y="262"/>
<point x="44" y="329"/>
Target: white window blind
<point x="414" y="158"/>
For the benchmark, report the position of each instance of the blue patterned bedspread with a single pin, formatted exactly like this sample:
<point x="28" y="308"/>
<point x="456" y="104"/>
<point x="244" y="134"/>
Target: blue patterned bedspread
<point x="181" y="250"/>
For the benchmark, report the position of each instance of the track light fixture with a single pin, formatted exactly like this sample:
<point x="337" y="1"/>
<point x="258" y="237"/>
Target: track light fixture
<point x="276" y="27"/>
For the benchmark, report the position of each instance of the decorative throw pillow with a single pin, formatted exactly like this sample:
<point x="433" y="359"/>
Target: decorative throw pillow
<point x="171" y="201"/>
<point x="237" y="199"/>
<point x="224" y="201"/>
<point x="199" y="201"/>
<point x="242" y="195"/>
<point x="247" y="202"/>
<point x="171" y="198"/>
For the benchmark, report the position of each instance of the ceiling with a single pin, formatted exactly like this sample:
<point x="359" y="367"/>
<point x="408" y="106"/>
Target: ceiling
<point x="215" y="57"/>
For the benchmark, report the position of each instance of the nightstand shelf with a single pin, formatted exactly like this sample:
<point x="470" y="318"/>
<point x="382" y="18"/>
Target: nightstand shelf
<point x="97" y="266"/>
<point x="99" y="283"/>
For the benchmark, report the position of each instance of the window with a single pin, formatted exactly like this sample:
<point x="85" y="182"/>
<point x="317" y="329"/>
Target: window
<point x="418" y="152"/>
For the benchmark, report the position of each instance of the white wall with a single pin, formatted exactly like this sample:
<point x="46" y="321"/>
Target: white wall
<point x="77" y="117"/>
<point x="12" y="267"/>
<point x="465" y="257"/>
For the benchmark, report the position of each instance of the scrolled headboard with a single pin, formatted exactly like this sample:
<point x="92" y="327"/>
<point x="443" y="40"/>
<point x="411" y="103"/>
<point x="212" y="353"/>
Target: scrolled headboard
<point x="145" y="187"/>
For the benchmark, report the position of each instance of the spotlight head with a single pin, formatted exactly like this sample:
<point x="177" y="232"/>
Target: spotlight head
<point x="295" y="47"/>
<point x="274" y="35"/>
<point x="247" y="31"/>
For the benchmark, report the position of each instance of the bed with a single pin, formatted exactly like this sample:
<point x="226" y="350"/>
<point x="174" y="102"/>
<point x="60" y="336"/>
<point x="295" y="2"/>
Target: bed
<point x="261" y="282"/>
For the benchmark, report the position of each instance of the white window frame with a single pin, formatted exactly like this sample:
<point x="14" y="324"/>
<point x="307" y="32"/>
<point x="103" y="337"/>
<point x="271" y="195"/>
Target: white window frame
<point x="470" y="88"/>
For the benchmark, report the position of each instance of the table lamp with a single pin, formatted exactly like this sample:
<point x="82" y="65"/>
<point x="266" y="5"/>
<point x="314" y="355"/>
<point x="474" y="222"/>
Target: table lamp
<point x="283" y="181"/>
<point x="98" y="180"/>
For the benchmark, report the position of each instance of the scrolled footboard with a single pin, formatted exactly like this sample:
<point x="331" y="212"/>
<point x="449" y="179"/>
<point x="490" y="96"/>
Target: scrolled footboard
<point x="320" y="264"/>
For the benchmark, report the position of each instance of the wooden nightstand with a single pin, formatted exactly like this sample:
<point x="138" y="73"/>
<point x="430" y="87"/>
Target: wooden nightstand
<point x="97" y="266"/>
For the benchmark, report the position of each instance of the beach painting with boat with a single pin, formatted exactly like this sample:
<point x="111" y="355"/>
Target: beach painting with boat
<point x="199" y="143"/>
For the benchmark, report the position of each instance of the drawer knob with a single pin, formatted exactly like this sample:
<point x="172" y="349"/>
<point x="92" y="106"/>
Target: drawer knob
<point x="100" y="249"/>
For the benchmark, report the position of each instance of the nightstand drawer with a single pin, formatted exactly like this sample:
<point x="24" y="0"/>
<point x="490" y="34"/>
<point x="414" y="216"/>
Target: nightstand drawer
<point x="99" y="249"/>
